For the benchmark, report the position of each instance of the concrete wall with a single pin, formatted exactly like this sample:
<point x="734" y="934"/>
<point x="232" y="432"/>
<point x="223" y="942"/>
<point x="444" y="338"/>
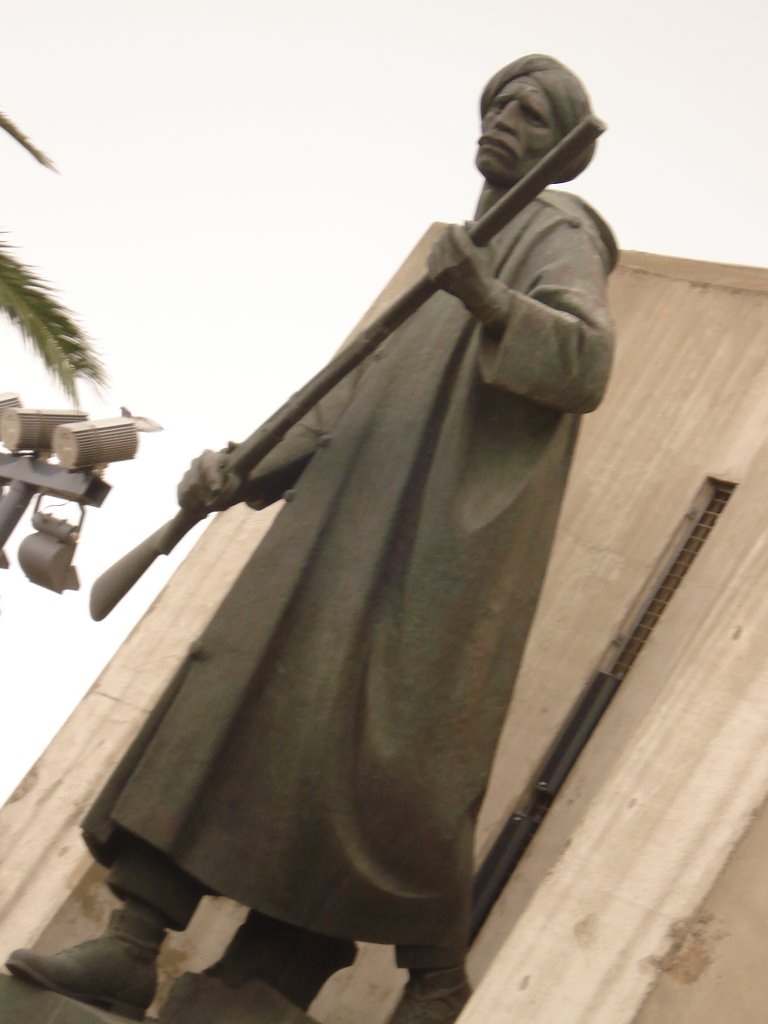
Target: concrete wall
<point x="614" y="900"/>
<point x="668" y="783"/>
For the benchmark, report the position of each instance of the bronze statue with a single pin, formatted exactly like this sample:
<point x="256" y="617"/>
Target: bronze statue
<point x="322" y="754"/>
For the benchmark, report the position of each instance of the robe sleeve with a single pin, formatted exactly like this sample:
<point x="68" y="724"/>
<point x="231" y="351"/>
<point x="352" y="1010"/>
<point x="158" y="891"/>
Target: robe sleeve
<point x="557" y="344"/>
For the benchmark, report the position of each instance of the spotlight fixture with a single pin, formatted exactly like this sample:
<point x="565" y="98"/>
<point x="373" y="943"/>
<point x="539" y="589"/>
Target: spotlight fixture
<point x="95" y="442"/>
<point x="9" y="400"/>
<point x="46" y="557"/>
<point x="31" y="430"/>
<point x="56" y="454"/>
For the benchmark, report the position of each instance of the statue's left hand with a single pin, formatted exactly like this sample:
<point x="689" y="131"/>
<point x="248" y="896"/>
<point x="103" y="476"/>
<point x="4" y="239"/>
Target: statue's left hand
<point x="206" y="487"/>
<point x="460" y="267"/>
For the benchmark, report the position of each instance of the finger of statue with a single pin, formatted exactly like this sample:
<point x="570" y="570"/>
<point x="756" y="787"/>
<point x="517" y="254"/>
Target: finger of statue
<point x="443" y="254"/>
<point x="212" y="471"/>
<point x="471" y="255"/>
<point x="456" y="263"/>
<point x="201" y="482"/>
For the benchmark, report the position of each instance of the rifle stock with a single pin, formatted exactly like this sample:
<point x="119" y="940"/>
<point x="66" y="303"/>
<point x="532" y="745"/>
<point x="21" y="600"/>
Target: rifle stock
<point x="112" y="586"/>
<point x="115" y="583"/>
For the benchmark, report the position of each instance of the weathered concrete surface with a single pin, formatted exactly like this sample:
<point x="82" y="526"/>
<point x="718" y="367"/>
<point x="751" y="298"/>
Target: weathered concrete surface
<point x="715" y="968"/>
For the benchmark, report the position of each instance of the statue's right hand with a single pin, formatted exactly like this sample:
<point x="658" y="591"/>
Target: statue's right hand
<point x="204" y="486"/>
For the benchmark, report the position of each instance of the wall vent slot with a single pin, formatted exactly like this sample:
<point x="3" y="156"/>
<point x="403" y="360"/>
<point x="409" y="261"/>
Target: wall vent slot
<point x="700" y="523"/>
<point x="512" y="842"/>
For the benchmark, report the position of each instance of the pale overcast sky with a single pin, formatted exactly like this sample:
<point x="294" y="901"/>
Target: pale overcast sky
<point x="238" y="181"/>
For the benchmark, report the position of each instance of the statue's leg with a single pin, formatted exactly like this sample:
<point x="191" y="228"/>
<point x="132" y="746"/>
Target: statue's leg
<point x="117" y="971"/>
<point x="294" y="961"/>
<point x="437" y="988"/>
<point x="142" y="872"/>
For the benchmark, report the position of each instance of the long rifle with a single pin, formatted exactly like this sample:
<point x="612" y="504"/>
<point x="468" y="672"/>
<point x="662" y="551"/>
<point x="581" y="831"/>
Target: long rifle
<point x="115" y="583"/>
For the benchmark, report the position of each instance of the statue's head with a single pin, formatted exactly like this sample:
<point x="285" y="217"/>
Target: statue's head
<point x="526" y="109"/>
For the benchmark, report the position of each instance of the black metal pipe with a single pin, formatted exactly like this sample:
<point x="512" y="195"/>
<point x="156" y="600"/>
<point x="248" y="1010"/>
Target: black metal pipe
<point x="13" y="505"/>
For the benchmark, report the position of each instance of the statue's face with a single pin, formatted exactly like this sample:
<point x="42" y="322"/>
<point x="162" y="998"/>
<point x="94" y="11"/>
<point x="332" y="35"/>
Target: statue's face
<point x="517" y="130"/>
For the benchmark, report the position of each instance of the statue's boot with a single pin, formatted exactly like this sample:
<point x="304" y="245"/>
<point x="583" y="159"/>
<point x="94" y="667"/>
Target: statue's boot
<point x="115" y="972"/>
<point x="294" y="961"/>
<point x="433" y="997"/>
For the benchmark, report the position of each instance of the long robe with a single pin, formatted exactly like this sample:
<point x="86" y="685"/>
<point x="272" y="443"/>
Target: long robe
<point x="322" y="753"/>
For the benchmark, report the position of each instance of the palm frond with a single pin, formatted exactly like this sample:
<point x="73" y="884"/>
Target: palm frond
<point x="16" y="133"/>
<point x="47" y="326"/>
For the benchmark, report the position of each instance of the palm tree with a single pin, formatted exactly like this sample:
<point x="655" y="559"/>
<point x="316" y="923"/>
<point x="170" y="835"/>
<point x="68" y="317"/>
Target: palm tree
<point x="29" y="302"/>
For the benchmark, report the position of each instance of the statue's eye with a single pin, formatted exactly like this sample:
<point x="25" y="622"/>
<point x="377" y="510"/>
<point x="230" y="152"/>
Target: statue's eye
<point x="533" y="116"/>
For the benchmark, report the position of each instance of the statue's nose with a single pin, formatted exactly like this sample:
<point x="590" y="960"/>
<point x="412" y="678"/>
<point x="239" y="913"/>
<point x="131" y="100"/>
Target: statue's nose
<point x="509" y="116"/>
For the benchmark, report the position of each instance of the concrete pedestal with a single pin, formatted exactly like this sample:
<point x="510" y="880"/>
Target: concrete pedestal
<point x="194" y="999"/>
<point x="21" y="1003"/>
<point x="197" y="999"/>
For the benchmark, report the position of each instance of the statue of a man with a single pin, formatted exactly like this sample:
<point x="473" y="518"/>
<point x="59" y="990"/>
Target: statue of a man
<point x="322" y="754"/>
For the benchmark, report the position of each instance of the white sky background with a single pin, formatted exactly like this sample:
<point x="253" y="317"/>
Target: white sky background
<point x="240" y="179"/>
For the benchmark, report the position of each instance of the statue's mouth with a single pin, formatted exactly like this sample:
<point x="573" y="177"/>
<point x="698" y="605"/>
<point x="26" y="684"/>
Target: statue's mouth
<point x="503" y="144"/>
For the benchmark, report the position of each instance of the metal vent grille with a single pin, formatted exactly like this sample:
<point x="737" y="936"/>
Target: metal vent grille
<point x="703" y="522"/>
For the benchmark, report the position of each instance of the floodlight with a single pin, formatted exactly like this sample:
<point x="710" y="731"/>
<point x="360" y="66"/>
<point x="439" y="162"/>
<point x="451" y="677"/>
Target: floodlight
<point x="95" y="442"/>
<point x="31" y="430"/>
<point x="55" y="454"/>
<point x="46" y="556"/>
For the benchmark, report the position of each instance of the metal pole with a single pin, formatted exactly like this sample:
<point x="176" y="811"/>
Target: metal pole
<point x="13" y="505"/>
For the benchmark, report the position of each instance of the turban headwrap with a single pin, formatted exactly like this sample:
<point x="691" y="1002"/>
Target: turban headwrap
<point x="566" y="94"/>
